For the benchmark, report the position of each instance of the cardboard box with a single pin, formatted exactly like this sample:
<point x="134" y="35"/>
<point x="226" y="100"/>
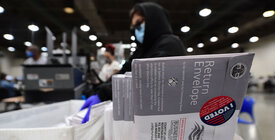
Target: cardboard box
<point x="189" y="97"/>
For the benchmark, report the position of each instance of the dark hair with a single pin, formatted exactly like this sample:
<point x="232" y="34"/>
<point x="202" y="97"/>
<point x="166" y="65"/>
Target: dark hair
<point x="34" y="48"/>
<point x="110" y="48"/>
<point x="2" y="76"/>
<point x="136" y="10"/>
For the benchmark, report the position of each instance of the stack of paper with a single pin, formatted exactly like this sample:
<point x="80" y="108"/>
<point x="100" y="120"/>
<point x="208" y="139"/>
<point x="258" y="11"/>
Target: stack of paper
<point x="76" y="119"/>
<point x="118" y="89"/>
<point x="191" y="97"/>
<point x="128" y="108"/>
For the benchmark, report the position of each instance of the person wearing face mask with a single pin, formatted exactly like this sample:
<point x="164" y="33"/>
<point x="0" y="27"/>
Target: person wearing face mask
<point x="34" y="56"/>
<point x="154" y="36"/>
<point x="6" y="85"/>
<point x="111" y="66"/>
<point x="153" y="33"/>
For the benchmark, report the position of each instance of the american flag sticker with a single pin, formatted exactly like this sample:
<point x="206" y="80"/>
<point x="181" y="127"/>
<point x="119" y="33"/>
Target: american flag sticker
<point x="217" y="110"/>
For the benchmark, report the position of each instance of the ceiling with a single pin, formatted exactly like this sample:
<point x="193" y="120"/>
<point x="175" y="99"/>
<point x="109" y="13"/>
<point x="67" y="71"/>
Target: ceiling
<point x="109" y="20"/>
<point x="19" y="14"/>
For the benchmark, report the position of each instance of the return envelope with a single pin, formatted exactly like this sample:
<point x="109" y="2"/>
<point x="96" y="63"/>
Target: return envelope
<point x="189" y="97"/>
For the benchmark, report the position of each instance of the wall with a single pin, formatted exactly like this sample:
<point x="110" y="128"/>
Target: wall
<point x="264" y="60"/>
<point x="10" y="65"/>
<point x="263" y="64"/>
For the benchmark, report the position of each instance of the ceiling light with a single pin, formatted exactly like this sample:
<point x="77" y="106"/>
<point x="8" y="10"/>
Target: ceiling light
<point x="2" y="10"/>
<point x="27" y="43"/>
<point x="233" y="30"/>
<point x="254" y="39"/>
<point x="62" y="44"/>
<point x="103" y="49"/>
<point x="85" y="28"/>
<point x="214" y="39"/>
<point x="126" y="46"/>
<point x="268" y="13"/>
<point x="99" y="44"/>
<point x="235" y="45"/>
<point x="200" y="45"/>
<point x="8" y="36"/>
<point x="185" y="29"/>
<point x="53" y="38"/>
<point x="33" y="27"/>
<point x="68" y="10"/>
<point x="123" y="62"/>
<point x="133" y="38"/>
<point x="190" y="49"/>
<point x="92" y="37"/>
<point x="205" y="12"/>
<point x="44" y="49"/>
<point x="134" y="44"/>
<point x="133" y="49"/>
<point x="11" y="49"/>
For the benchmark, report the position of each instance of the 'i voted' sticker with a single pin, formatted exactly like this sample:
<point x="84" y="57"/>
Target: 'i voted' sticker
<point x="218" y="110"/>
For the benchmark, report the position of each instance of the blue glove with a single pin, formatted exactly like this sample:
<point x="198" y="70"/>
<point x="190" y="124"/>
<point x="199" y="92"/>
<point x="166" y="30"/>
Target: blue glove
<point x="89" y="103"/>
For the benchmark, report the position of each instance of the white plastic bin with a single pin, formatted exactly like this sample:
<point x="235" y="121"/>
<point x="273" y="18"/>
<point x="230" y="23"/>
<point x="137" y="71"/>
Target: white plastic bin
<point x="48" y="123"/>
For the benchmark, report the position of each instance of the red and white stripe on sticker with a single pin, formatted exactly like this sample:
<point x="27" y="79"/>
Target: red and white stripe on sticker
<point x="217" y="110"/>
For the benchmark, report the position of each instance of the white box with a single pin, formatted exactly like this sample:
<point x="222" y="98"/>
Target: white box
<point x="47" y="123"/>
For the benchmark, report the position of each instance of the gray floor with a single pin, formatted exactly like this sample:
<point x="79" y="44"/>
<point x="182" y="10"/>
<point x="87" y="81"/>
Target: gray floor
<point x="264" y="110"/>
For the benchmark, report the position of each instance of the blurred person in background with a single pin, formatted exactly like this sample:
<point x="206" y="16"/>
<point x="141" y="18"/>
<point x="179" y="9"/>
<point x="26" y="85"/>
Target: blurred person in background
<point x="34" y="56"/>
<point x="268" y="85"/>
<point x="155" y="38"/>
<point x="7" y="85"/>
<point x="112" y="66"/>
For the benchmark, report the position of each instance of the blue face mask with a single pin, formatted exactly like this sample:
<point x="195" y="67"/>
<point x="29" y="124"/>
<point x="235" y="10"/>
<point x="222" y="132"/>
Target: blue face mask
<point x="139" y="33"/>
<point x="29" y="54"/>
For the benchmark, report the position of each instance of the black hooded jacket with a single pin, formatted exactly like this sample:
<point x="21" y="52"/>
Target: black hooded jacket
<point x="159" y="41"/>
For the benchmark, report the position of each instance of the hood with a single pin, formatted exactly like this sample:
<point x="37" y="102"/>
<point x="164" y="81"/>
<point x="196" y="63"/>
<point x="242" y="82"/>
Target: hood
<point x="156" y="23"/>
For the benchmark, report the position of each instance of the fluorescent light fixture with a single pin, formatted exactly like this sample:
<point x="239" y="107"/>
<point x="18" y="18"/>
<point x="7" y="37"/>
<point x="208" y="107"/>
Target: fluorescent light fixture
<point x="44" y="49"/>
<point x="27" y="43"/>
<point x="85" y="28"/>
<point x="33" y="27"/>
<point x="268" y="13"/>
<point x="254" y="39"/>
<point x="134" y="44"/>
<point x="214" y="39"/>
<point x="205" y="12"/>
<point x="11" y="49"/>
<point x="92" y="37"/>
<point x="68" y="10"/>
<point x="233" y="29"/>
<point x="8" y="36"/>
<point x="133" y="38"/>
<point x="133" y="49"/>
<point x="200" y="45"/>
<point x="2" y="10"/>
<point x="235" y="45"/>
<point x="185" y="29"/>
<point x="99" y="44"/>
<point x="190" y="49"/>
